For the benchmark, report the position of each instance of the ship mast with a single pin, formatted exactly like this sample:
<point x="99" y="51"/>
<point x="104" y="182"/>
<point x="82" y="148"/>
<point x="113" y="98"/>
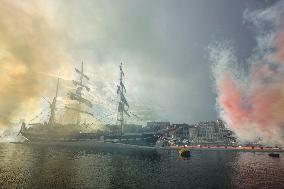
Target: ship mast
<point x="52" y="105"/>
<point x="123" y="105"/>
<point x="78" y="94"/>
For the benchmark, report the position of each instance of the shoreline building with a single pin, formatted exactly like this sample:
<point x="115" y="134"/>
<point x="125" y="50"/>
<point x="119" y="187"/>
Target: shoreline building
<point x="201" y="133"/>
<point x="157" y="126"/>
<point x="207" y="132"/>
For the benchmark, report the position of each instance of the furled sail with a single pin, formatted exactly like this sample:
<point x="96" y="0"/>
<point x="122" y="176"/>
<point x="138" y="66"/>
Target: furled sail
<point x="77" y="95"/>
<point x="123" y="105"/>
<point x="76" y="83"/>
<point x="123" y="99"/>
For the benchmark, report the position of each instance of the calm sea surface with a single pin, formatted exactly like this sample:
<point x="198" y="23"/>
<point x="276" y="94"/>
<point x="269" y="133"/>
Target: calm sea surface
<point x="59" y="166"/>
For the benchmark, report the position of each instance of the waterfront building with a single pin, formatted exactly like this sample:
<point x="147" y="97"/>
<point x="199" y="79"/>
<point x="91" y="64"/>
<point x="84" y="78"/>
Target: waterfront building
<point x="157" y="126"/>
<point x="207" y="132"/>
<point x="181" y="131"/>
<point x="192" y="133"/>
<point x="112" y="129"/>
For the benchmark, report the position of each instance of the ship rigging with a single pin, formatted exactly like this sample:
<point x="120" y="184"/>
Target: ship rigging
<point x="77" y="96"/>
<point x="123" y="105"/>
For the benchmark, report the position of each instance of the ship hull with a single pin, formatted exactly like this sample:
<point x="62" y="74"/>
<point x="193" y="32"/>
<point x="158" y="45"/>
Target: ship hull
<point x="140" y="140"/>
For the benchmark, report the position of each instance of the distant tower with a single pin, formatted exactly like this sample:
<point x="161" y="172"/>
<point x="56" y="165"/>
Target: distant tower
<point x="123" y="105"/>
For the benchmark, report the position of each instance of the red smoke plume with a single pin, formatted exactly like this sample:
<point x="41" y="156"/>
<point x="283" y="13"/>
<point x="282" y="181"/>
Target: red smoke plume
<point x="251" y="99"/>
<point x="253" y="106"/>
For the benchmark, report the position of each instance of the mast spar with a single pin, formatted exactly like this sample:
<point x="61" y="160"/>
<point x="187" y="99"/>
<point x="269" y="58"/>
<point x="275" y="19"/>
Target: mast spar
<point x="123" y="105"/>
<point x="78" y="94"/>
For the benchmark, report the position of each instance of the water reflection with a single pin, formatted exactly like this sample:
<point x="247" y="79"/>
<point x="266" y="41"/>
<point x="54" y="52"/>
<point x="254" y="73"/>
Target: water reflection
<point x="258" y="170"/>
<point x="51" y="166"/>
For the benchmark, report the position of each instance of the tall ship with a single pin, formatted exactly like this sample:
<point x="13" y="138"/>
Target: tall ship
<point x="52" y="130"/>
<point x="138" y="138"/>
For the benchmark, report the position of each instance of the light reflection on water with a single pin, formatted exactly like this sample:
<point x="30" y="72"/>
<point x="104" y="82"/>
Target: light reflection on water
<point x="44" y="166"/>
<point x="257" y="170"/>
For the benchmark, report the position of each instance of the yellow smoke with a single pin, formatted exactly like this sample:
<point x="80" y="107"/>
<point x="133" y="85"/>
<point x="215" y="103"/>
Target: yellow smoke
<point x="29" y="46"/>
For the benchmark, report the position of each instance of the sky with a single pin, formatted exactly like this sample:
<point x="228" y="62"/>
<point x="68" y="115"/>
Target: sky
<point x="166" y="48"/>
<point x="162" y="45"/>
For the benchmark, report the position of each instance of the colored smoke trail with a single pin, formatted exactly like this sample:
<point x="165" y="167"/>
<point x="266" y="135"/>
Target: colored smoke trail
<point x="29" y="46"/>
<point x="251" y="100"/>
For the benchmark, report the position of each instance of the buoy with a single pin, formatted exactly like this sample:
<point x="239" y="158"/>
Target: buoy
<point x="184" y="152"/>
<point x="274" y="155"/>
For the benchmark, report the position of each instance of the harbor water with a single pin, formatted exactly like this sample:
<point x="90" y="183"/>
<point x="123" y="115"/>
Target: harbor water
<point x="69" y="166"/>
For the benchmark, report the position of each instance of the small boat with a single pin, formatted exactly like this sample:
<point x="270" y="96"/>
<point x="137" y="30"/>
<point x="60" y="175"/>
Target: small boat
<point x="184" y="153"/>
<point x="274" y="155"/>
